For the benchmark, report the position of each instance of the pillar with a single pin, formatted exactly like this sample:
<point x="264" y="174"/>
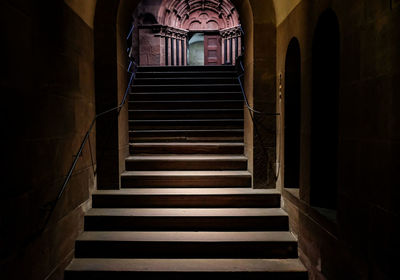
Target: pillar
<point x="185" y="51"/>
<point x="178" y="49"/>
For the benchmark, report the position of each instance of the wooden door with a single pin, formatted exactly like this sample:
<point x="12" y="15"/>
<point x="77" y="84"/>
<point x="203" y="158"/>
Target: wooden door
<point x="212" y="49"/>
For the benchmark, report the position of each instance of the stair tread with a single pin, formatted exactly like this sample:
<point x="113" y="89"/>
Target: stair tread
<point x="169" y="85"/>
<point x="193" y="120"/>
<point x="187" y="212"/>
<point x="187" y="101"/>
<point x="188" y="265"/>
<point x="185" y="110"/>
<point x="186" y="130"/>
<point x="186" y="92"/>
<point x="188" y="236"/>
<point x="184" y="72"/>
<point x="186" y="173"/>
<point x="188" y="78"/>
<point x="145" y="68"/>
<point x="187" y="191"/>
<point x="196" y="157"/>
<point x="169" y="144"/>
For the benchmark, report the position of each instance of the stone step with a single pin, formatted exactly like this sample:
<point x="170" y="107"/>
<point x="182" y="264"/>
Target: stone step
<point x="186" y="68"/>
<point x="178" y="80"/>
<point x="186" y="88"/>
<point x="185" y="124"/>
<point x="185" y="162"/>
<point x="186" y="148"/>
<point x="189" y="219"/>
<point x="166" y="96"/>
<point x="186" y="198"/>
<point x="187" y="104"/>
<point x="185" y="135"/>
<point x="186" y="139"/>
<point x="192" y="179"/>
<point x="195" y="74"/>
<point x="186" y="114"/>
<point x="194" y="269"/>
<point x="186" y="244"/>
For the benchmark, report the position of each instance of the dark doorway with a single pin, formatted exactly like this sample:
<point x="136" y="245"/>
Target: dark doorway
<point x="325" y="111"/>
<point x="292" y="115"/>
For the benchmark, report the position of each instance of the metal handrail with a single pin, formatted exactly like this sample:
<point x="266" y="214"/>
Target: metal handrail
<point x="245" y="96"/>
<point x="52" y="205"/>
<point x="253" y="111"/>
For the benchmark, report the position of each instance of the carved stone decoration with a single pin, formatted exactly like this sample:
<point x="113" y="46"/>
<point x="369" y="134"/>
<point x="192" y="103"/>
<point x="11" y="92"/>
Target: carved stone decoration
<point x="163" y="41"/>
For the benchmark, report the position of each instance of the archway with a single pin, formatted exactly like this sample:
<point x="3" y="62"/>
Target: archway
<point x="111" y="24"/>
<point x="292" y="99"/>
<point x="163" y="40"/>
<point x="325" y="111"/>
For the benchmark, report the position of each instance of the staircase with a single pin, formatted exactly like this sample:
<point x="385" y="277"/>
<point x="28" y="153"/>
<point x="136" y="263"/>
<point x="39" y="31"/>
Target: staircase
<point x="186" y="209"/>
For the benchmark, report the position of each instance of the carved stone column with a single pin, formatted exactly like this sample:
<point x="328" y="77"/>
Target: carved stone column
<point x="231" y="44"/>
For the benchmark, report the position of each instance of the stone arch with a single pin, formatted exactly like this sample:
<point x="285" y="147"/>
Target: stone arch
<point x="292" y="115"/>
<point x="111" y="24"/>
<point x="180" y="14"/>
<point x="325" y="111"/>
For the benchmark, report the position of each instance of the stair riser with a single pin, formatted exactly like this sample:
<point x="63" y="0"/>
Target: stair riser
<point x="186" y="115"/>
<point x="104" y="223"/>
<point x="185" y="125"/>
<point x="185" y="96"/>
<point x="173" y="249"/>
<point x="186" y="139"/>
<point x="186" y="88"/>
<point x="186" y="133"/>
<point x="184" y="181"/>
<point x="185" y="165"/>
<point x="186" y="81"/>
<point x="204" y="69"/>
<point x="186" y="201"/>
<point x="153" y="105"/>
<point x="212" y="149"/>
<point x="107" y="275"/>
<point x="194" y="74"/>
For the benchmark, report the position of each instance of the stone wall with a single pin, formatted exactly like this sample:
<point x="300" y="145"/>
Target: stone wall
<point x="360" y="242"/>
<point x="47" y="86"/>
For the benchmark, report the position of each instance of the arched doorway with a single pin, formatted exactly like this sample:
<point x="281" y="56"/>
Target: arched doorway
<point x="166" y="39"/>
<point x="292" y="101"/>
<point x="111" y="24"/>
<point x="325" y="111"/>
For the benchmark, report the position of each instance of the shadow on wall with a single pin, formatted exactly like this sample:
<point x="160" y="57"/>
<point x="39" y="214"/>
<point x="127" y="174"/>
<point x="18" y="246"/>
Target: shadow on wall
<point x="325" y="111"/>
<point x="292" y="115"/>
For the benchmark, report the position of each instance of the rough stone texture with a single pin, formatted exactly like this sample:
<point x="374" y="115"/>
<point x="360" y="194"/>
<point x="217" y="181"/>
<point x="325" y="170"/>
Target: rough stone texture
<point x="149" y="47"/>
<point x="258" y="21"/>
<point x="47" y="83"/>
<point x="363" y="231"/>
<point x="106" y="87"/>
<point x="247" y="24"/>
<point x="123" y="28"/>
